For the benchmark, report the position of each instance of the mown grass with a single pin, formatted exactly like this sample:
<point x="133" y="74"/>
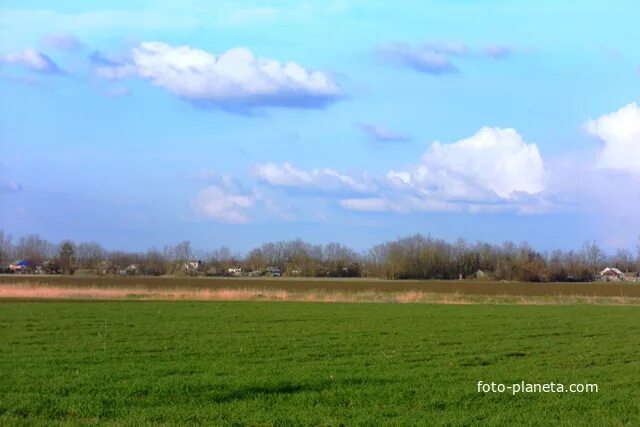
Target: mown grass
<point x="275" y="363"/>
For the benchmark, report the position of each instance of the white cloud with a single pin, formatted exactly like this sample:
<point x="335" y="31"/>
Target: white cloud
<point x="222" y="203"/>
<point x="31" y="59"/>
<point x="492" y="163"/>
<point x="285" y="175"/>
<point x="493" y="170"/>
<point x="620" y="133"/>
<point x="235" y="79"/>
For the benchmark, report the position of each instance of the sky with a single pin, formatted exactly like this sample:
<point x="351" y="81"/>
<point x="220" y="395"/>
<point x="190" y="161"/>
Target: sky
<point x="138" y="124"/>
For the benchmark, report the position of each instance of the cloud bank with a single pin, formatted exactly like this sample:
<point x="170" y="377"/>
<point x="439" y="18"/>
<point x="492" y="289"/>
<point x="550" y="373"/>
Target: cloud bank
<point x="493" y="170"/>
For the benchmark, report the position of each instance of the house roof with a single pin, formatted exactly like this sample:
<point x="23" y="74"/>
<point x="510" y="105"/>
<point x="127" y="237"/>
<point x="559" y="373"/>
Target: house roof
<point x="610" y="270"/>
<point x="21" y="263"/>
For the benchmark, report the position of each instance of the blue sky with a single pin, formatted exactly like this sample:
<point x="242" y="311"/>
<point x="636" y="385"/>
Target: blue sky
<point x="139" y="124"/>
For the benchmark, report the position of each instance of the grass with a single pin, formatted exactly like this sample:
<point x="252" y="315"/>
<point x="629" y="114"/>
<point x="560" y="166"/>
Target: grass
<point x="285" y="363"/>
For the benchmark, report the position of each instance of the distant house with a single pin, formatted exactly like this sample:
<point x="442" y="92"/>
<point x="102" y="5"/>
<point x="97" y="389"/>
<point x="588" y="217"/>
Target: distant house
<point x="191" y="266"/>
<point x="20" y="266"/>
<point x="131" y="270"/>
<point x="610" y="274"/>
<point x="234" y="271"/>
<point x="274" y="271"/>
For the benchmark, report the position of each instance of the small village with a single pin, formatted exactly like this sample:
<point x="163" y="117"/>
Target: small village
<point x="186" y="268"/>
<point x="199" y="268"/>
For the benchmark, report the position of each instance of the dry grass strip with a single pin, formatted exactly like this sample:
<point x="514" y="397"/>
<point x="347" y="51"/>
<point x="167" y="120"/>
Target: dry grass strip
<point x="24" y="291"/>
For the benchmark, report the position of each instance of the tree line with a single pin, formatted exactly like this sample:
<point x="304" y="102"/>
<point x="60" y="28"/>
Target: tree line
<point x="413" y="257"/>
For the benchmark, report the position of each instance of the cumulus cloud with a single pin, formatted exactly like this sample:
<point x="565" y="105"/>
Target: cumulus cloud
<point x="493" y="162"/>
<point x="493" y="170"/>
<point x="620" y="133"/>
<point x="381" y="133"/>
<point x="62" y="41"/>
<point x="234" y="80"/>
<point x="222" y="203"/>
<point x="31" y="59"/>
<point x="285" y="175"/>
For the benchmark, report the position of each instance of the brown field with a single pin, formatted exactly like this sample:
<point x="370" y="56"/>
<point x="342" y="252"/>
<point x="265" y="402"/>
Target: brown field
<point x="320" y="290"/>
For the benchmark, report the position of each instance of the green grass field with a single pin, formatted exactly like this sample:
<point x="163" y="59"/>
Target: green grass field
<point x="264" y="363"/>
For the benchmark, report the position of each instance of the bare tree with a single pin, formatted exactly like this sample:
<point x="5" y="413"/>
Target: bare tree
<point x="182" y="251"/>
<point x="594" y="256"/>
<point x="34" y="249"/>
<point x="154" y="262"/>
<point x="90" y="255"/>
<point x="623" y="260"/>
<point x="65" y="256"/>
<point x="6" y="247"/>
<point x="256" y="261"/>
